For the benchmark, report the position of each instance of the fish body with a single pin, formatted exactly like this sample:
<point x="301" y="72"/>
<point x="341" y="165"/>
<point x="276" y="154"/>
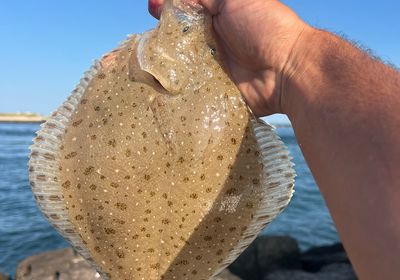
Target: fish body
<point x="154" y="168"/>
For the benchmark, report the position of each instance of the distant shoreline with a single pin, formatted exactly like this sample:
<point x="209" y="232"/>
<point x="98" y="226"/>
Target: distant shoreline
<point x="22" y="119"/>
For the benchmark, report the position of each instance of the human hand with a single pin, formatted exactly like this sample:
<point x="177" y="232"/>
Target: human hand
<point x="259" y="40"/>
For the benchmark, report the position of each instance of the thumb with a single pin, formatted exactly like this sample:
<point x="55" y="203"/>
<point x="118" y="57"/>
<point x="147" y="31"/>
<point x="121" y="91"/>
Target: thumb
<point x="213" y="6"/>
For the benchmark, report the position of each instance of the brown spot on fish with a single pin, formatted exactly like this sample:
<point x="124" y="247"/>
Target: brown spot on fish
<point x="273" y="184"/>
<point x="110" y="231"/>
<point x="194" y="196"/>
<point x="207" y="238"/>
<point x="54" y="198"/>
<point x="112" y="143"/>
<point x="41" y="177"/>
<point x="39" y="139"/>
<point x="121" y="206"/>
<point x="155" y="266"/>
<point x="101" y="76"/>
<point x="66" y="107"/>
<point x="66" y="184"/>
<point x="54" y="216"/>
<point x="256" y="181"/>
<point x="88" y="170"/>
<point x="76" y="123"/>
<point x="70" y="155"/>
<point x="128" y="152"/>
<point x="120" y="254"/>
<point x="217" y="219"/>
<point x="114" y="185"/>
<point x="232" y="191"/>
<point x="249" y="205"/>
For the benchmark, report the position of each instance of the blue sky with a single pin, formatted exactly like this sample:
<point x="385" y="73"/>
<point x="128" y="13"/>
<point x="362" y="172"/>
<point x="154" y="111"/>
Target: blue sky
<point x="45" y="45"/>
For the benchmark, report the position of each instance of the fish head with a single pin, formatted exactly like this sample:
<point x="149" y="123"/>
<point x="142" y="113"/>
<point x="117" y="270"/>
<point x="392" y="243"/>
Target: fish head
<point x="180" y="52"/>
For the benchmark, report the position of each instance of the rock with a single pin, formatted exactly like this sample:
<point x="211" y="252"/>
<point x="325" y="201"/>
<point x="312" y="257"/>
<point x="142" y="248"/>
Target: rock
<point x="341" y="271"/>
<point x="4" y="277"/>
<point x="246" y="265"/>
<point x="277" y="253"/>
<point x="292" y="275"/>
<point x="338" y="271"/>
<point x="314" y="259"/>
<point x="265" y="255"/>
<point x="56" y="265"/>
<point x="226" y="275"/>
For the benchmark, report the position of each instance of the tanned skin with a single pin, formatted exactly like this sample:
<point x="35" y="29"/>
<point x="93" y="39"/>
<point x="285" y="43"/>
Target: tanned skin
<point x="344" y="107"/>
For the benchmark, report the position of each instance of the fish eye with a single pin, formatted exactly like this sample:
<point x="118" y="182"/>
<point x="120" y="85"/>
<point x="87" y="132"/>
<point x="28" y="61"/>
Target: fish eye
<point x="185" y="29"/>
<point x="213" y="51"/>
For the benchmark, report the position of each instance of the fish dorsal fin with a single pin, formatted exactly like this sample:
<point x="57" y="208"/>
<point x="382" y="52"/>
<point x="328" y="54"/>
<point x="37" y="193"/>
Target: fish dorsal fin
<point x="278" y="181"/>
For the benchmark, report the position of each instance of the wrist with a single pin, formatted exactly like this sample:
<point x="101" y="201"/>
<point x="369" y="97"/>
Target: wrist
<point x="302" y="72"/>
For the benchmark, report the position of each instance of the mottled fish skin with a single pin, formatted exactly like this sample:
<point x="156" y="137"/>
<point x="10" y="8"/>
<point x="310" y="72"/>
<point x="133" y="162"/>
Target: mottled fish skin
<point x="163" y="174"/>
<point x="153" y="174"/>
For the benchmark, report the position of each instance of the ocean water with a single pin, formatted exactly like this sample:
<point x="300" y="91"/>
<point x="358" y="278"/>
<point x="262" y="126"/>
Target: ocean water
<point x="24" y="231"/>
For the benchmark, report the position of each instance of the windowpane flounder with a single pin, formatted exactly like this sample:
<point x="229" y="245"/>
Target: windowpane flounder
<point x="154" y="168"/>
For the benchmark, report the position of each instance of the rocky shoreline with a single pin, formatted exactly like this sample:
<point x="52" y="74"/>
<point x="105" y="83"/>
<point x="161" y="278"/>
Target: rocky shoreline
<point x="268" y="258"/>
<point x="279" y="258"/>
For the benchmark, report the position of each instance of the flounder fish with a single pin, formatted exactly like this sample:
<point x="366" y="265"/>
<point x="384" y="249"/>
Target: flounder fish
<point x="154" y="168"/>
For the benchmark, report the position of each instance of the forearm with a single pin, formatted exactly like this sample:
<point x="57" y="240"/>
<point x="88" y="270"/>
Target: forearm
<point x="344" y="107"/>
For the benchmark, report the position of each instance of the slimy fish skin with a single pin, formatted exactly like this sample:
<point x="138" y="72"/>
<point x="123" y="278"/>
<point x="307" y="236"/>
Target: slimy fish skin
<point x="154" y="168"/>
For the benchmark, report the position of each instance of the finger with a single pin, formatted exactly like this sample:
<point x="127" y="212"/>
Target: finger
<point x="213" y="6"/>
<point x="155" y="7"/>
